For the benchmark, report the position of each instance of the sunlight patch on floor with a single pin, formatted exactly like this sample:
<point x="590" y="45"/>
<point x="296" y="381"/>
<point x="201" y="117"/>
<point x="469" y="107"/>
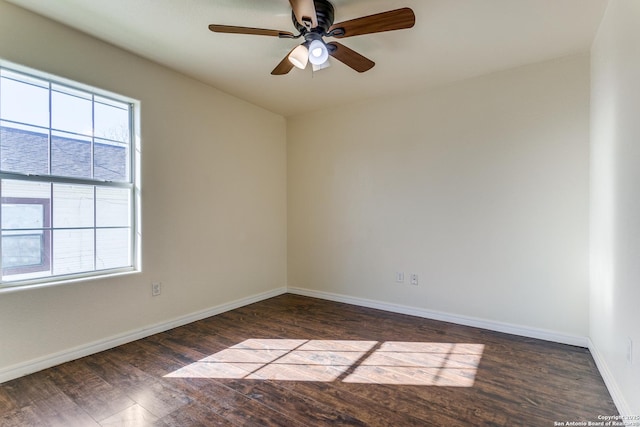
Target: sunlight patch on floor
<point x="350" y="361"/>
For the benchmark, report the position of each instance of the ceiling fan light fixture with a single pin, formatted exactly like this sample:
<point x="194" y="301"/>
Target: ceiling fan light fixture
<point x="318" y="52"/>
<point x="299" y="57"/>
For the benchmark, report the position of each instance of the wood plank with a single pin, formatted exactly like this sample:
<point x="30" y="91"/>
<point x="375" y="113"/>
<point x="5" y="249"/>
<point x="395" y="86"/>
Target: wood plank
<point x="90" y="392"/>
<point x="134" y="415"/>
<point x="32" y="388"/>
<point x="7" y="403"/>
<point x="58" y="410"/>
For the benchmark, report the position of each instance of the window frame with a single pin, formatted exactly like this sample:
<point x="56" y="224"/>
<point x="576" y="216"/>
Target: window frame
<point x="132" y="184"/>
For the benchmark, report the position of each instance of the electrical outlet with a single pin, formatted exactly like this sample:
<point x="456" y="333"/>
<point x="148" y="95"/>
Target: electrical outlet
<point x="629" y="350"/>
<point x="156" y="289"/>
<point x="414" y="279"/>
<point x="399" y="277"/>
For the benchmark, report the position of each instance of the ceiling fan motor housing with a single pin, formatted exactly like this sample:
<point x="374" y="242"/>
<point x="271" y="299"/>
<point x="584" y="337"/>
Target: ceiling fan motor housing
<point x="325" y="13"/>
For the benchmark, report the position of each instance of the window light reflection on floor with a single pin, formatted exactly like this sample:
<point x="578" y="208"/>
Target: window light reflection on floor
<point x="350" y="361"/>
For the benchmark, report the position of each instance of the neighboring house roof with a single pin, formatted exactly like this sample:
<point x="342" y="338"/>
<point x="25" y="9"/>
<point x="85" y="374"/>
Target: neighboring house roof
<point x="28" y="152"/>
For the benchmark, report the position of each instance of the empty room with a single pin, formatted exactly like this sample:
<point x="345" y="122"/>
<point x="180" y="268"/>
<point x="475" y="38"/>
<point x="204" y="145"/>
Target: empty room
<point x="319" y="212"/>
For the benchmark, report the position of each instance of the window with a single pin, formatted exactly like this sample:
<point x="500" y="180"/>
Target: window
<point x="26" y="243"/>
<point x="67" y="180"/>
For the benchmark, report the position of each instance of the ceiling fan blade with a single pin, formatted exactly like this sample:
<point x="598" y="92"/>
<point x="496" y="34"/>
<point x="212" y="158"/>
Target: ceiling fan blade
<point x="397" y="19"/>
<point x="350" y="57"/>
<point x="305" y="12"/>
<point x="248" y="30"/>
<point x="284" y="66"/>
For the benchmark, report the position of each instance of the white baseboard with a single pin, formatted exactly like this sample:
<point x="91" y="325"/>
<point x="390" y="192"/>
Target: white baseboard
<point x="609" y="381"/>
<point x="31" y="366"/>
<point x="508" y="328"/>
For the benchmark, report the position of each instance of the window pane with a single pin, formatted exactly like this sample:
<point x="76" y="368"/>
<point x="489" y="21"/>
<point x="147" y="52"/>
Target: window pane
<point x="113" y="248"/>
<point x="25" y="254"/>
<point x="26" y="249"/>
<point x="24" y="99"/>
<point x="111" y="161"/>
<point x="71" y="112"/>
<point x="22" y="216"/>
<point x="24" y="149"/>
<point x="24" y="190"/>
<point x="111" y="120"/>
<point x="25" y="206"/>
<point x="72" y="251"/>
<point x="25" y="229"/>
<point x="113" y="207"/>
<point x="70" y="155"/>
<point x="72" y="206"/>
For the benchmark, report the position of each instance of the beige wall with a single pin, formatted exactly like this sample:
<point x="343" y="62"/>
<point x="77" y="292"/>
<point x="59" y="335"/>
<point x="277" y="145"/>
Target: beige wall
<point x="481" y="188"/>
<point x="213" y="192"/>
<point x="615" y="200"/>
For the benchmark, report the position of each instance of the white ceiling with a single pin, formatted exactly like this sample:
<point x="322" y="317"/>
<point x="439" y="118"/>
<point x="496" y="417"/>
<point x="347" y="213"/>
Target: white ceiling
<point x="452" y="40"/>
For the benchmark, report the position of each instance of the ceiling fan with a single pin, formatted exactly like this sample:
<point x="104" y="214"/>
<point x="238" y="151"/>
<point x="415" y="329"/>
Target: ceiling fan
<point x="313" y="19"/>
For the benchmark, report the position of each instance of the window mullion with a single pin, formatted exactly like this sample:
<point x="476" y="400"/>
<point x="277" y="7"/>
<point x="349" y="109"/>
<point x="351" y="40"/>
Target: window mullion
<point x="95" y="228"/>
<point x="51" y="238"/>
<point x="49" y="150"/>
<point x="95" y="192"/>
<point x="50" y="162"/>
<point x="93" y="135"/>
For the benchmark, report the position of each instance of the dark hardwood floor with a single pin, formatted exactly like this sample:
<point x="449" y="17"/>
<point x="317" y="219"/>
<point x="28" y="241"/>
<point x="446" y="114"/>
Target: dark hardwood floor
<point x="298" y="361"/>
